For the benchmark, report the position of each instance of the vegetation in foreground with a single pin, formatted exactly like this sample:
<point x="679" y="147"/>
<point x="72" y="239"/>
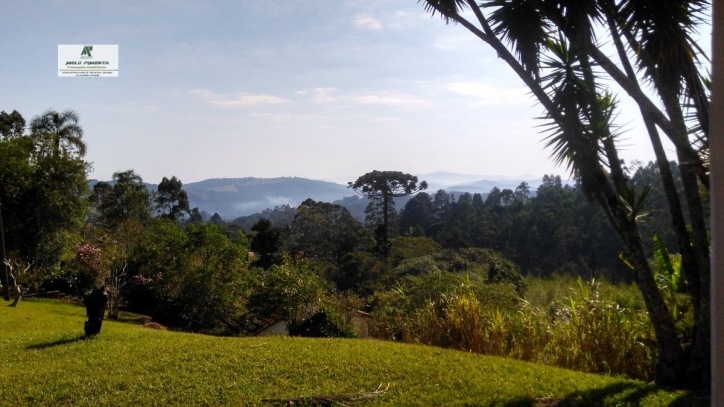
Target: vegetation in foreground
<point x="46" y="362"/>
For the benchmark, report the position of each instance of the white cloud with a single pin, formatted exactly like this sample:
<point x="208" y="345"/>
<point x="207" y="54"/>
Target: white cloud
<point x="390" y="99"/>
<point x="365" y="21"/>
<point x="238" y="99"/>
<point x="324" y="95"/>
<point x="488" y="95"/>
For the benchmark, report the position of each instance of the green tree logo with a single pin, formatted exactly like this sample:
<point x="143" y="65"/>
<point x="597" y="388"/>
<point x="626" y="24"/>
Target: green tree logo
<point x="87" y="51"/>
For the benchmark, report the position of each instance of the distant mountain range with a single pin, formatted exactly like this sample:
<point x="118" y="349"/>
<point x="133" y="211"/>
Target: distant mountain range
<point x="235" y="197"/>
<point x="459" y="183"/>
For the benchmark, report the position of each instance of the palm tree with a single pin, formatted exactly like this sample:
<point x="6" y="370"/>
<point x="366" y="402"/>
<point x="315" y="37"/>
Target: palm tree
<point x="554" y="50"/>
<point x="62" y="130"/>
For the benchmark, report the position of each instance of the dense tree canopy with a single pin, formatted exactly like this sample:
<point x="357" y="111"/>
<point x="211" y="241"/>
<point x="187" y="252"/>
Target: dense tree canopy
<point x="42" y="192"/>
<point x="126" y="198"/>
<point x="325" y="231"/>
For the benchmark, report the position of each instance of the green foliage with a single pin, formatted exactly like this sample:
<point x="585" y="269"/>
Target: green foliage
<point x="404" y="248"/>
<point x="360" y="272"/>
<point x="126" y="199"/>
<point x="582" y="331"/>
<point x="418" y="265"/>
<point x="380" y="187"/>
<point x="172" y="201"/>
<point x="668" y="271"/>
<point x="670" y="279"/>
<point x="11" y="124"/>
<point x="266" y="243"/>
<point x="195" y="278"/>
<point x="417" y="214"/>
<point x="323" y="324"/>
<point x="496" y="268"/>
<point x="42" y="192"/>
<point x="395" y="310"/>
<point x="326" y="232"/>
<point x="293" y="292"/>
<point x="59" y="132"/>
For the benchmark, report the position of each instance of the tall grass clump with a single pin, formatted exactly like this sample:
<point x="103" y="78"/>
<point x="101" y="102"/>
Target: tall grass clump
<point x="583" y="330"/>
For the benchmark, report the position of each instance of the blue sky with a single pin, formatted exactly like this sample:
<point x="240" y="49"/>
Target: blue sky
<point x="318" y="89"/>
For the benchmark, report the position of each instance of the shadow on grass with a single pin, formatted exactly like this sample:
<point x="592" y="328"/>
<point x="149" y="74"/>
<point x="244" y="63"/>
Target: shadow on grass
<point x="59" y="342"/>
<point x="130" y="318"/>
<point x="624" y="394"/>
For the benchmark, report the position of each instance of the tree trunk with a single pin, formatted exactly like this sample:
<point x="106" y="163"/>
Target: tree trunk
<point x="18" y="295"/>
<point x="17" y="291"/>
<point x="699" y="366"/>
<point x="95" y="307"/>
<point x="671" y="355"/>
<point x="690" y="260"/>
<point x="669" y="368"/>
<point x="386" y="231"/>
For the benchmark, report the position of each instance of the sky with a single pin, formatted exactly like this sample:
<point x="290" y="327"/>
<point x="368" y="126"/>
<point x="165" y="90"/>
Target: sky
<point x="316" y="89"/>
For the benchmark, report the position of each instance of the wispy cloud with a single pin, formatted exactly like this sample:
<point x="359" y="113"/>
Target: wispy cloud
<point x="390" y="99"/>
<point x="324" y="95"/>
<point x="286" y="117"/>
<point x="367" y="22"/>
<point x="238" y="99"/>
<point x="488" y="95"/>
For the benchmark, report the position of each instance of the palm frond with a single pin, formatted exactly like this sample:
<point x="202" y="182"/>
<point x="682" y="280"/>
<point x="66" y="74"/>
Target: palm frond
<point x="575" y="18"/>
<point x="522" y="25"/>
<point x="663" y="31"/>
<point x="446" y="8"/>
<point x="573" y="138"/>
<point x="635" y="206"/>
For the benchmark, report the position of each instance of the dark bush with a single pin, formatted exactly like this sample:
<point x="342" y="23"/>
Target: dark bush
<point x="323" y="324"/>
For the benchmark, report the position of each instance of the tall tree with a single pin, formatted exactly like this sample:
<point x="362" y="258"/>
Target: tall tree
<point x="42" y="195"/>
<point x="386" y="185"/>
<point x="11" y="124"/>
<point x="325" y="231"/>
<point x="551" y="45"/>
<point x="127" y="199"/>
<point x="61" y="131"/>
<point x="266" y="243"/>
<point x="416" y="216"/>
<point x="172" y="201"/>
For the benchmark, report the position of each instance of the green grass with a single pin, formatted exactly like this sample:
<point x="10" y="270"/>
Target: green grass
<point x="45" y="361"/>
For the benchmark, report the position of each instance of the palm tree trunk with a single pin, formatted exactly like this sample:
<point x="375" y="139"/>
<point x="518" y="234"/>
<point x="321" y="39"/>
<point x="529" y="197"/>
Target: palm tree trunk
<point x="690" y="264"/>
<point x="701" y="343"/>
<point x="671" y="355"/>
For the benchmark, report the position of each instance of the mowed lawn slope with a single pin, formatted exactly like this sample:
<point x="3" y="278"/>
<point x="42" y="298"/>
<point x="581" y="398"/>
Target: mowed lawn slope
<point x="45" y="361"/>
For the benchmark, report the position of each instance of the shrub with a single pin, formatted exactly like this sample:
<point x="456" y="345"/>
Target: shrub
<point x="583" y="331"/>
<point x="323" y="324"/>
<point x="417" y="266"/>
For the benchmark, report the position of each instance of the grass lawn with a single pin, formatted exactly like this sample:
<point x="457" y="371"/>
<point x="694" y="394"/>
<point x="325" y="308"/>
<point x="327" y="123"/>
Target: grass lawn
<point x="46" y="361"/>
